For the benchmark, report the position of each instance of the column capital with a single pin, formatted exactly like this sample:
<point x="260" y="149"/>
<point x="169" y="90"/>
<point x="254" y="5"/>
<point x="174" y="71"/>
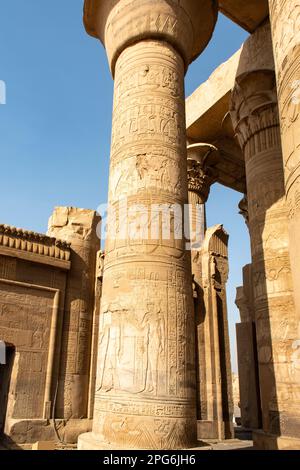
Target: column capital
<point x="187" y="25"/>
<point x="254" y="107"/>
<point x="201" y="175"/>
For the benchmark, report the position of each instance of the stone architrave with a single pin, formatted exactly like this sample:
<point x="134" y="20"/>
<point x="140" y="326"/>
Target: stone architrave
<point x="145" y="388"/>
<point x="285" y="26"/>
<point x="255" y="118"/>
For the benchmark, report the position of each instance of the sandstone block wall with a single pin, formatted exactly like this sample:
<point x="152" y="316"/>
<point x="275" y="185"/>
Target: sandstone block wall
<point x="40" y="277"/>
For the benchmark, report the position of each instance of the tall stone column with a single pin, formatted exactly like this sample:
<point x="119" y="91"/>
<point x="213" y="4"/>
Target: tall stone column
<point x="255" y="118"/>
<point x="214" y="381"/>
<point x="200" y="179"/>
<point x="209" y="269"/>
<point x="197" y="209"/>
<point x="285" y="24"/>
<point x="145" y="389"/>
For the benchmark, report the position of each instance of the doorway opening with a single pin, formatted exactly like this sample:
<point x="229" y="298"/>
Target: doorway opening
<point x="6" y="365"/>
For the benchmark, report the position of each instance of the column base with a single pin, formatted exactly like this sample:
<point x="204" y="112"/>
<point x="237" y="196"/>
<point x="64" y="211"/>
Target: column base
<point x="265" y="441"/>
<point x="92" y="441"/>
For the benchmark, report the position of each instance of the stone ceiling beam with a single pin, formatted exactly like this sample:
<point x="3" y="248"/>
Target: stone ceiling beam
<point x="208" y="121"/>
<point x="247" y="14"/>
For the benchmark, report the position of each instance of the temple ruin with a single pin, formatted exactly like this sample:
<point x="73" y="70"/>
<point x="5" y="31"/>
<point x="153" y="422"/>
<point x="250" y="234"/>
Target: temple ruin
<point x="128" y="348"/>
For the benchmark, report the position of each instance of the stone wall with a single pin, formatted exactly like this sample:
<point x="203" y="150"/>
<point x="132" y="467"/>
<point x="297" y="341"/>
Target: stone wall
<point x="36" y="277"/>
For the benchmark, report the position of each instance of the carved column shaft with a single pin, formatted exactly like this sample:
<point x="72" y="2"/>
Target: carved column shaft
<point x="214" y="387"/>
<point x="209" y="269"/>
<point x="146" y="346"/>
<point x="247" y="354"/>
<point x="197" y="212"/>
<point x="285" y="23"/>
<point x="255" y="118"/>
<point x="95" y="331"/>
<point x="200" y="179"/>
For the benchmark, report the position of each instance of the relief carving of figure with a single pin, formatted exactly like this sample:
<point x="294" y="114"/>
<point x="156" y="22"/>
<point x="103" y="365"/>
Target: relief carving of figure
<point x="154" y="328"/>
<point x="110" y="347"/>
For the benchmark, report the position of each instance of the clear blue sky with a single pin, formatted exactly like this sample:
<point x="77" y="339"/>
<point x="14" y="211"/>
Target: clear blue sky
<point x="55" y="128"/>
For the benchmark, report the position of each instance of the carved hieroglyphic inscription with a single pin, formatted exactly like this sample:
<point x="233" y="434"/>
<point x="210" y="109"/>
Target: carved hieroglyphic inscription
<point x="25" y="322"/>
<point x="155" y="169"/>
<point x="285" y="21"/>
<point x="8" y="267"/>
<point x="146" y="344"/>
<point x="253" y="99"/>
<point x="78" y="226"/>
<point x="146" y="340"/>
<point x="156" y="368"/>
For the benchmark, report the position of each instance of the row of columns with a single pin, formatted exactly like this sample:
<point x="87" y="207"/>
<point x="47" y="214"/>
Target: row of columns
<point x="255" y="118"/>
<point x="145" y="390"/>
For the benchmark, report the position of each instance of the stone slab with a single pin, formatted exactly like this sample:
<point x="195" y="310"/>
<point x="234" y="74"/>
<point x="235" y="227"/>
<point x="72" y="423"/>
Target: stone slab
<point x="43" y="445"/>
<point x="247" y="14"/>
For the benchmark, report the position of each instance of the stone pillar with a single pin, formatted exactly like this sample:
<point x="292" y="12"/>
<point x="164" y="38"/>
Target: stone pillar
<point x="285" y="24"/>
<point x="214" y="382"/>
<point x="256" y="122"/>
<point x="145" y="390"/>
<point x="200" y="179"/>
<point x="95" y="331"/>
<point x="197" y="209"/>
<point x="78" y="227"/>
<point x="209" y="258"/>
<point x="247" y="354"/>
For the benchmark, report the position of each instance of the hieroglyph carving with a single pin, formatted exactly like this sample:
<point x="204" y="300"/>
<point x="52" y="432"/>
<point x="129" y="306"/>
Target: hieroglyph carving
<point x="254" y="115"/>
<point x="146" y="346"/>
<point x="285" y="21"/>
<point x="146" y="342"/>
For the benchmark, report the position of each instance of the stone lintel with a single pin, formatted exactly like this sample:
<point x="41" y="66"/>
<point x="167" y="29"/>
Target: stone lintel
<point x="35" y="258"/>
<point x="211" y="98"/>
<point x="247" y="14"/>
<point x="207" y="121"/>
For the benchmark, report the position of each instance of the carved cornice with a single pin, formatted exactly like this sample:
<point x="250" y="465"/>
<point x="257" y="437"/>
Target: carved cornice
<point x="254" y="111"/>
<point x="35" y="243"/>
